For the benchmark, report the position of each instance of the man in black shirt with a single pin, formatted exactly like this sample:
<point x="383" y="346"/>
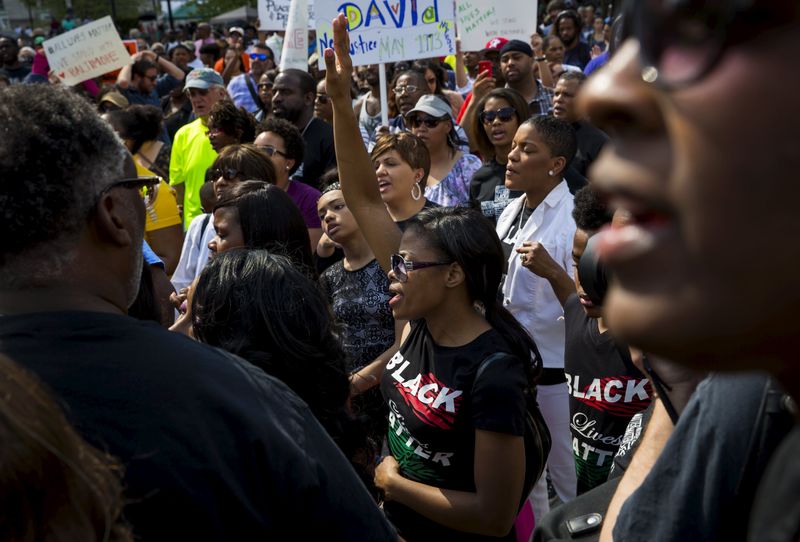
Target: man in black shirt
<point x="9" y="61"/>
<point x="568" y="28"/>
<point x="293" y="96"/>
<point x="212" y="447"/>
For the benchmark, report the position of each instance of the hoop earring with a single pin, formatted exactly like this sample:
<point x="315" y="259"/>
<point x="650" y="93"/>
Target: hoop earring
<point x="418" y="194"/>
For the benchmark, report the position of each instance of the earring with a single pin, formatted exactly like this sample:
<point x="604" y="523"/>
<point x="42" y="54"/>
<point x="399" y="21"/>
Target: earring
<point x="551" y="173"/>
<point x="288" y="168"/>
<point x="418" y="194"/>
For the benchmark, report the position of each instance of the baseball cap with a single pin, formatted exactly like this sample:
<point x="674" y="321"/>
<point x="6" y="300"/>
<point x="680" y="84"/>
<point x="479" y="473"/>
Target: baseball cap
<point x="238" y="29"/>
<point x="433" y="105"/>
<point x="495" y="44"/>
<point x="203" y="78"/>
<point x="38" y="40"/>
<point x="516" y="45"/>
<point x="115" y="98"/>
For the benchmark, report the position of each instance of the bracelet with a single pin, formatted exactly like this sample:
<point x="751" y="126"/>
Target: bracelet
<point x="540" y="58"/>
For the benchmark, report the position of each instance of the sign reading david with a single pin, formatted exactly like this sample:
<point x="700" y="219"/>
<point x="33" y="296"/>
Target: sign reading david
<point x="86" y="52"/>
<point x="390" y="30"/>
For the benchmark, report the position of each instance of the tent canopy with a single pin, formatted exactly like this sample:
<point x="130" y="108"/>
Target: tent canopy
<point x="244" y="13"/>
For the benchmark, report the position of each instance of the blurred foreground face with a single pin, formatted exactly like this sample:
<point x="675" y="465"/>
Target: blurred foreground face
<point x="706" y="271"/>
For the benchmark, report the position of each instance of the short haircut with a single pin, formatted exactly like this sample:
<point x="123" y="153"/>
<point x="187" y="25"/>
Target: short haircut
<point x="262" y="45"/>
<point x="292" y="138"/>
<point x="571" y="75"/>
<point x="304" y="79"/>
<point x="516" y="101"/>
<point x="211" y="49"/>
<point x="590" y="212"/>
<point x="61" y="156"/>
<point x="546" y="41"/>
<point x="413" y="72"/>
<point x="411" y="149"/>
<point x="558" y="136"/>
<point x="141" y="67"/>
<point x="250" y="161"/>
<point x="235" y="122"/>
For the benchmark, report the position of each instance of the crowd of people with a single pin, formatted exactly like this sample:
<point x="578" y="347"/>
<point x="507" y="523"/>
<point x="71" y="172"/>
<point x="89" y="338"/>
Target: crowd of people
<point x="533" y="306"/>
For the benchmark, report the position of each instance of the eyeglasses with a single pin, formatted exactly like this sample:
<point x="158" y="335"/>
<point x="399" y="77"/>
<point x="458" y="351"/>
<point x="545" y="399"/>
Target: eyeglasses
<point x="259" y="56"/>
<point x="323" y="98"/>
<point x="227" y="173"/>
<point x="272" y="150"/>
<point x="681" y="42"/>
<point x="415" y="121"/>
<point x="147" y="185"/>
<point x="405" y="89"/>
<point x="505" y="114"/>
<point x="402" y="267"/>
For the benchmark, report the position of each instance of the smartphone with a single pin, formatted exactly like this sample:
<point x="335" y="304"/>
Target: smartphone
<point x="485" y="66"/>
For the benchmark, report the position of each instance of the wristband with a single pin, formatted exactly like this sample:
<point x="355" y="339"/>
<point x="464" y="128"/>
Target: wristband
<point x="540" y="58"/>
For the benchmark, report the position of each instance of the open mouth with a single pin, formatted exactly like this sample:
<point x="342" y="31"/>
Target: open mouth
<point x="397" y="297"/>
<point x="383" y="186"/>
<point x="639" y="228"/>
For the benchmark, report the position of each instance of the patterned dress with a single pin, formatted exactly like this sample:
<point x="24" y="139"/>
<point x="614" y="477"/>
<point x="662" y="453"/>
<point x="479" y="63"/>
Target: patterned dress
<point x="453" y="190"/>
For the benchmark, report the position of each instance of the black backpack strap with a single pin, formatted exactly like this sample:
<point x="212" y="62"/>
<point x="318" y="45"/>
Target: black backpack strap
<point x="253" y="93"/>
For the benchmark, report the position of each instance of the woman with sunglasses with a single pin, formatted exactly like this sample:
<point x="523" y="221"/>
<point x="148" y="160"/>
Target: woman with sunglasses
<point x="283" y="143"/>
<point x="499" y="115"/>
<point x="237" y="163"/>
<point x="457" y="463"/>
<point x="451" y="168"/>
<point x="229" y="125"/>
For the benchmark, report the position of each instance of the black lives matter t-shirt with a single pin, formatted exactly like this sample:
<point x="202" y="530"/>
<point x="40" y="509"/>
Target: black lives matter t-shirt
<point x="605" y="391"/>
<point x="435" y="406"/>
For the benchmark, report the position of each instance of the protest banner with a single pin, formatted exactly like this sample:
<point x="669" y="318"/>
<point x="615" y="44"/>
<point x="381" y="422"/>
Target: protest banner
<point x="391" y="30"/>
<point x="86" y="52"/>
<point x="294" y="54"/>
<point x="481" y="20"/>
<point x="274" y="14"/>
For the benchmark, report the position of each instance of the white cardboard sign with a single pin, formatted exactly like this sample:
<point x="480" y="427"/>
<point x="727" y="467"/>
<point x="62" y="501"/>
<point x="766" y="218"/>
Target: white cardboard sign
<point x="481" y="20"/>
<point x="274" y="14"/>
<point x="390" y="30"/>
<point x="86" y="52"/>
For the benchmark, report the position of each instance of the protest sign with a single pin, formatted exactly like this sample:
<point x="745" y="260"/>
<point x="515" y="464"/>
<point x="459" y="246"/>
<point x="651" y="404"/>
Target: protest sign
<point x="391" y="30"/>
<point x="481" y="20"/>
<point x="274" y="14"/>
<point x="295" y="44"/>
<point x="86" y="52"/>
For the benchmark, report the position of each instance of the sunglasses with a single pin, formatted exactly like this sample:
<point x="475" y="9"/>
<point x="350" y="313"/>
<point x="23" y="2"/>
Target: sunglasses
<point x="681" y="42"/>
<point x="228" y="173"/>
<point x="415" y="121"/>
<point x="323" y="98"/>
<point x="402" y="267"/>
<point x="406" y="89"/>
<point x="147" y="185"/>
<point x="272" y="151"/>
<point x="259" y="56"/>
<point x="505" y="114"/>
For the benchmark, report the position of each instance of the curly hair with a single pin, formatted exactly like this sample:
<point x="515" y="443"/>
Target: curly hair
<point x="140" y="123"/>
<point x="292" y="138"/>
<point x="235" y="122"/>
<point x="44" y="203"/>
<point x="590" y="212"/>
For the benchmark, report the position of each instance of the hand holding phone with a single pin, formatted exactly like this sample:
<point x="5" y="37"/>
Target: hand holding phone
<point x="485" y="66"/>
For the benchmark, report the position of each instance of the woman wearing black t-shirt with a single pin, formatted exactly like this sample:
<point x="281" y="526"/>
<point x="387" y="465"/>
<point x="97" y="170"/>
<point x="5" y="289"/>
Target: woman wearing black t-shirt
<point x="457" y="466"/>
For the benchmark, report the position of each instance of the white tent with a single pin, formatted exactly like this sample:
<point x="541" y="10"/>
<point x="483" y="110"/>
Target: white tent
<point x="244" y="13"/>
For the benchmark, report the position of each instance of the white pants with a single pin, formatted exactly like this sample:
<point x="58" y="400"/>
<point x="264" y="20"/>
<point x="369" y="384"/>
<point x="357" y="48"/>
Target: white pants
<point x="554" y="406"/>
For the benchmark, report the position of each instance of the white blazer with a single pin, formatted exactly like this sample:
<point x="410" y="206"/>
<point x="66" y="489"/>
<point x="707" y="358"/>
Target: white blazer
<point x="529" y="297"/>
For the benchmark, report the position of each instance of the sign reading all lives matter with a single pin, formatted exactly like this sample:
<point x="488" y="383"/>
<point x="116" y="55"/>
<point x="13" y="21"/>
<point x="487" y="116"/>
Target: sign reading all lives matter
<point x="481" y="20"/>
<point x="390" y="30"/>
<point x="86" y="52"/>
<point x="274" y="14"/>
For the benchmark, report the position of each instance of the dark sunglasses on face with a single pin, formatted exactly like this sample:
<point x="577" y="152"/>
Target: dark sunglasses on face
<point x="147" y="185"/>
<point x="681" y="42"/>
<point x="402" y="267"/>
<point x="272" y="151"/>
<point x="227" y="173"/>
<point x="415" y="121"/>
<point x="259" y="56"/>
<point x="505" y="114"/>
<point x="406" y="89"/>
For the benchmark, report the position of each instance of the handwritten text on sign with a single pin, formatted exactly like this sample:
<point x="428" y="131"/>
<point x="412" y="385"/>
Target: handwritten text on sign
<point x="390" y="30"/>
<point x="274" y="14"/>
<point x="481" y="20"/>
<point x="86" y="52"/>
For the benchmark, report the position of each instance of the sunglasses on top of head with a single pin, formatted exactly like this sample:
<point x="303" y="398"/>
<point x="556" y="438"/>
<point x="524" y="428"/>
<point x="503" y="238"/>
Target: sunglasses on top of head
<point x="681" y="41"/>
<point x="505" y="114"/>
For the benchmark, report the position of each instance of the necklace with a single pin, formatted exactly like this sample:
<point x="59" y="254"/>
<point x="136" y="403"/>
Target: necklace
<point x="522" y="214"/>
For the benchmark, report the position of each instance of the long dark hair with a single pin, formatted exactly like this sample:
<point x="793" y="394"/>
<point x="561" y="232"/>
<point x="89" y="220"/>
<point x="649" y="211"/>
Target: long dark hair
<point x="270" y="219"/>
<point x="468" y="238"/>
<point x="514" y="99"/>
<point x="256" y="304"/>
<point x="139" y="123"/>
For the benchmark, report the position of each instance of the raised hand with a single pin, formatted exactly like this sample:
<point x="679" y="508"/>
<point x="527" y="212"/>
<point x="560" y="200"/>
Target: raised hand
<point x="338" y="64"/>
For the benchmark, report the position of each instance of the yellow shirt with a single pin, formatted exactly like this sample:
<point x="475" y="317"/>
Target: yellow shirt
<point x="192" y="155"/>
<point x="165" y="211"/>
